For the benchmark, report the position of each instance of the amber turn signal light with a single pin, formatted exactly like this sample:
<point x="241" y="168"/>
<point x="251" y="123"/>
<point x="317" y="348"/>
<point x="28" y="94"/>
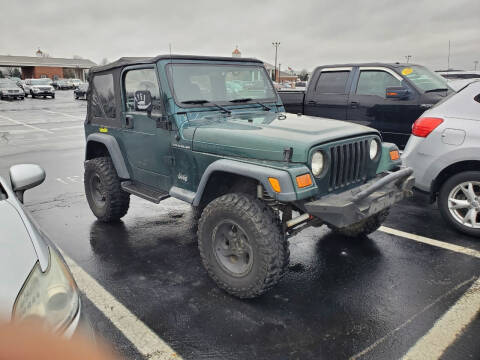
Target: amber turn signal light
<point x="394" y="155"/>
<point x="304" y="180"/>
<point x="275" y="184"/>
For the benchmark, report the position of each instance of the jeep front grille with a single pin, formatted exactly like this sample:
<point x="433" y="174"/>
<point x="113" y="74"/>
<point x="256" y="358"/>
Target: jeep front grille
<point x="348" y="164"/>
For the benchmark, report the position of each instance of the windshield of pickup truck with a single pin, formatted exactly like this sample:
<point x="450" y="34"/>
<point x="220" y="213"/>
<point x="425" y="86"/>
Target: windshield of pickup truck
<point x="425" y="79"/>
<point x="219" y="84"/>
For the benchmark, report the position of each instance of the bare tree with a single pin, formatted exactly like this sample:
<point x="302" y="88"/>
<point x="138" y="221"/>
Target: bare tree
<point x="303" y="75"/>
<point x="104" y="61"/>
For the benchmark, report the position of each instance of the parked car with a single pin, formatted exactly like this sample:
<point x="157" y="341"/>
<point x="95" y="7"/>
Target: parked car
<point x="387" y="97"/>
<point x="76" y="82"/>
<point x="35" y="282"/>
<point x="64" y="84"/>
<point x="10" y="90"/>
<point x="444" y="151"/>
<point x="253" y="174"/>
<point x="39" y="87"/>
<point x="81" y="91"/>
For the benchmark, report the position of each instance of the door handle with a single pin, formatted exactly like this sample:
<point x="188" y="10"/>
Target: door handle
<point x="354" y="104"/>
<point x="311" y="102"/>
<point x="128" y="121"/>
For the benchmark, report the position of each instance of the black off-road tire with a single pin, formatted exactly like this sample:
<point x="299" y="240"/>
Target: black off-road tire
<point x="364" y="227"/>
<point x="442" y="200"/>
<point x="116" y="201"/>
<point x="268" y="242"/>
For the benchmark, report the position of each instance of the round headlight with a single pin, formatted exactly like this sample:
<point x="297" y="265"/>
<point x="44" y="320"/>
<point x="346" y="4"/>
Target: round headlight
<point x="373" y="149"/>
<point x="317" y="163"/>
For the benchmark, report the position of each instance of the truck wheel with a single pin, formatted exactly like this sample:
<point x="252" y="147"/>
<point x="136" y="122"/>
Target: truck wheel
<point x="364" y="227"/>
<point x="105" y="196"/>
<point x="459" y="202"/>
<point x="242" y="245"/>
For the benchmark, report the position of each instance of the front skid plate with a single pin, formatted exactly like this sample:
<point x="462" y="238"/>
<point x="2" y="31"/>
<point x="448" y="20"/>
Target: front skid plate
<point x="340" y="210"/>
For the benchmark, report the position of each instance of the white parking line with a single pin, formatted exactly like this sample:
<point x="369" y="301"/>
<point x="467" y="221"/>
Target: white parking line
<point x="67" y="128"/>
<point x="449" y="327"/>
<point x="64" y="114"/>
<point x="437" y="243"/>
<point x="394" y="331"/>
<point x="140" y="335"/>
<point x="24" y="124"/>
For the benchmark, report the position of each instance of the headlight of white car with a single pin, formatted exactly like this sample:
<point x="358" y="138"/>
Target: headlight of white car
<point x="51" y="296"/>
<point x="317" y="163"/>
<point x="373" y="149"/>
<point x="36" y="89"/>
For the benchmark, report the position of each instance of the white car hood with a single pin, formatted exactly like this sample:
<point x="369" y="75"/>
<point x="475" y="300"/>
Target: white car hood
<point x="17" y="257"/>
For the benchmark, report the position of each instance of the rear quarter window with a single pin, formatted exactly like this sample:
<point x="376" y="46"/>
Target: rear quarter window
<point x="332" y="82"/>
<point x="103" y="99"/>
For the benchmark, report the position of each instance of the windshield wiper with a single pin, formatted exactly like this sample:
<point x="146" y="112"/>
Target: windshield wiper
<point x="201" y="102"/>
<point x="265" y="107"/>
<point x="435" y="90"/>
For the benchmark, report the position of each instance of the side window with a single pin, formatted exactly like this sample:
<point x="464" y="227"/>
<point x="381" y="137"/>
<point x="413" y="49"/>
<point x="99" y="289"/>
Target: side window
<point x="374" y="82"/>
<point x="332" y="82"/>
<point x="103" y="99"/>
<point x="141" y="79"/>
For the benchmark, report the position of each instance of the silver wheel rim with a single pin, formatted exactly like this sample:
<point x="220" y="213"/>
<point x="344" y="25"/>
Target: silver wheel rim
<point x="464" y="204"/>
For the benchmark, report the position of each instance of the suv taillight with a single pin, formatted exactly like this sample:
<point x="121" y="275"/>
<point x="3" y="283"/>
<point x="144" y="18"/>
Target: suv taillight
<point x="425" y="125"/>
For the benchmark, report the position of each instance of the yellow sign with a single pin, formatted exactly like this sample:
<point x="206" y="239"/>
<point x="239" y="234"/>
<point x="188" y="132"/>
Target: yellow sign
<point x="407" y="71"/>
<point x="103" y="130"/>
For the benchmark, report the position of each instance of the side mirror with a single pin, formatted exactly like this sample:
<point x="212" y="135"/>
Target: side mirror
<point x="397" y="92"/>
<point x="24" y="177"/>
<point x="143" y="101"/>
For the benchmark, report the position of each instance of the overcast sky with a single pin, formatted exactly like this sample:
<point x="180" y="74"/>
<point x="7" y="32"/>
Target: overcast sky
<point x="310" y="32"/>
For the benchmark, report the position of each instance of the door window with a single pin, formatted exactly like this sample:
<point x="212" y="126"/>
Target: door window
<point x="375" y="82"/>
<point x="141" y="80"/>
<point x="332" y="82"/>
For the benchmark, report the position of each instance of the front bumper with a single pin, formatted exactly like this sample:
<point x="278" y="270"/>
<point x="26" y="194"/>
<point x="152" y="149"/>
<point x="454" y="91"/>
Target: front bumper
<point x="43" y="93"/>
<point x="13" y="95"/>
<point x="352" y="206"/>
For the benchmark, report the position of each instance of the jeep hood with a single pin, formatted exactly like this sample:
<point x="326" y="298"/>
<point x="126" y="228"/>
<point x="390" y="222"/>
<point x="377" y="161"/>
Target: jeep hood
<point x="265" y="135"/>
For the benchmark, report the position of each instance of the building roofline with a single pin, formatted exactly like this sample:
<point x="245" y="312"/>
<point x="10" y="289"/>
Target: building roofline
<point x="24" y="61"/>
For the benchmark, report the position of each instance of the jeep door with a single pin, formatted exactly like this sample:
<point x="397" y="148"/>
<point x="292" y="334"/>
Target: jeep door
<point x="147" y="145"/>
<point x="369" y="106"/>
<point x="328" y="95"/>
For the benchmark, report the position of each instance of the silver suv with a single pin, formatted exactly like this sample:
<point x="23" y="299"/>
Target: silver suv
<point x="444" y="151"/>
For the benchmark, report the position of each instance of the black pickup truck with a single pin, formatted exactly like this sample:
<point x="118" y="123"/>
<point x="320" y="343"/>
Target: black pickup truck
<point x="387" y="97"/>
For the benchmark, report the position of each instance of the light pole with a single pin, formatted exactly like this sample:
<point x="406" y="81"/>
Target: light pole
<point x="408" y="57"/>
<point x="276" y="44"/>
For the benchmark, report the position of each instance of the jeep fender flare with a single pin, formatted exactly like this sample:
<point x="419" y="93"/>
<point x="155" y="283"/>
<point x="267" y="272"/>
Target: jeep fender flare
<point x="113" y="149"/>
<point x="257" y="172"/>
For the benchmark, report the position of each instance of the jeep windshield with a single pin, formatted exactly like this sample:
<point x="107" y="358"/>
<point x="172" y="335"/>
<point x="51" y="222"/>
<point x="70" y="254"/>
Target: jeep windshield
<point x="425" y="79"/>
<point x="219" y="84"/>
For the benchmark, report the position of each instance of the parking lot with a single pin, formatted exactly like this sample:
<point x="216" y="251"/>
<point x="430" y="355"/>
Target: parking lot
<point x="410" y="289"/>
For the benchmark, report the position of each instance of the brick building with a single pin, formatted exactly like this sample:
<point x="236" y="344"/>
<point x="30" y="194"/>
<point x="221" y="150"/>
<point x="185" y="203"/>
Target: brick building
<point x="47" y="67"/>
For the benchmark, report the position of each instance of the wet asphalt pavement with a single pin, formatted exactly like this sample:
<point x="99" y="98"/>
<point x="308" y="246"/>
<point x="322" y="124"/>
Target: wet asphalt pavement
<point x="367" y="298"/>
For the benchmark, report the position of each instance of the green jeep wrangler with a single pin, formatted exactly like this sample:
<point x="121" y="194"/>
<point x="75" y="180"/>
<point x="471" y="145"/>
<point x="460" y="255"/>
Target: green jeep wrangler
<point x="212" y="131"/>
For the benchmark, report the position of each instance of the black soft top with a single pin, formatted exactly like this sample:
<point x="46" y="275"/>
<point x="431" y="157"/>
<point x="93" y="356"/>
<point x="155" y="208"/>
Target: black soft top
<point x="126" y="61"/>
